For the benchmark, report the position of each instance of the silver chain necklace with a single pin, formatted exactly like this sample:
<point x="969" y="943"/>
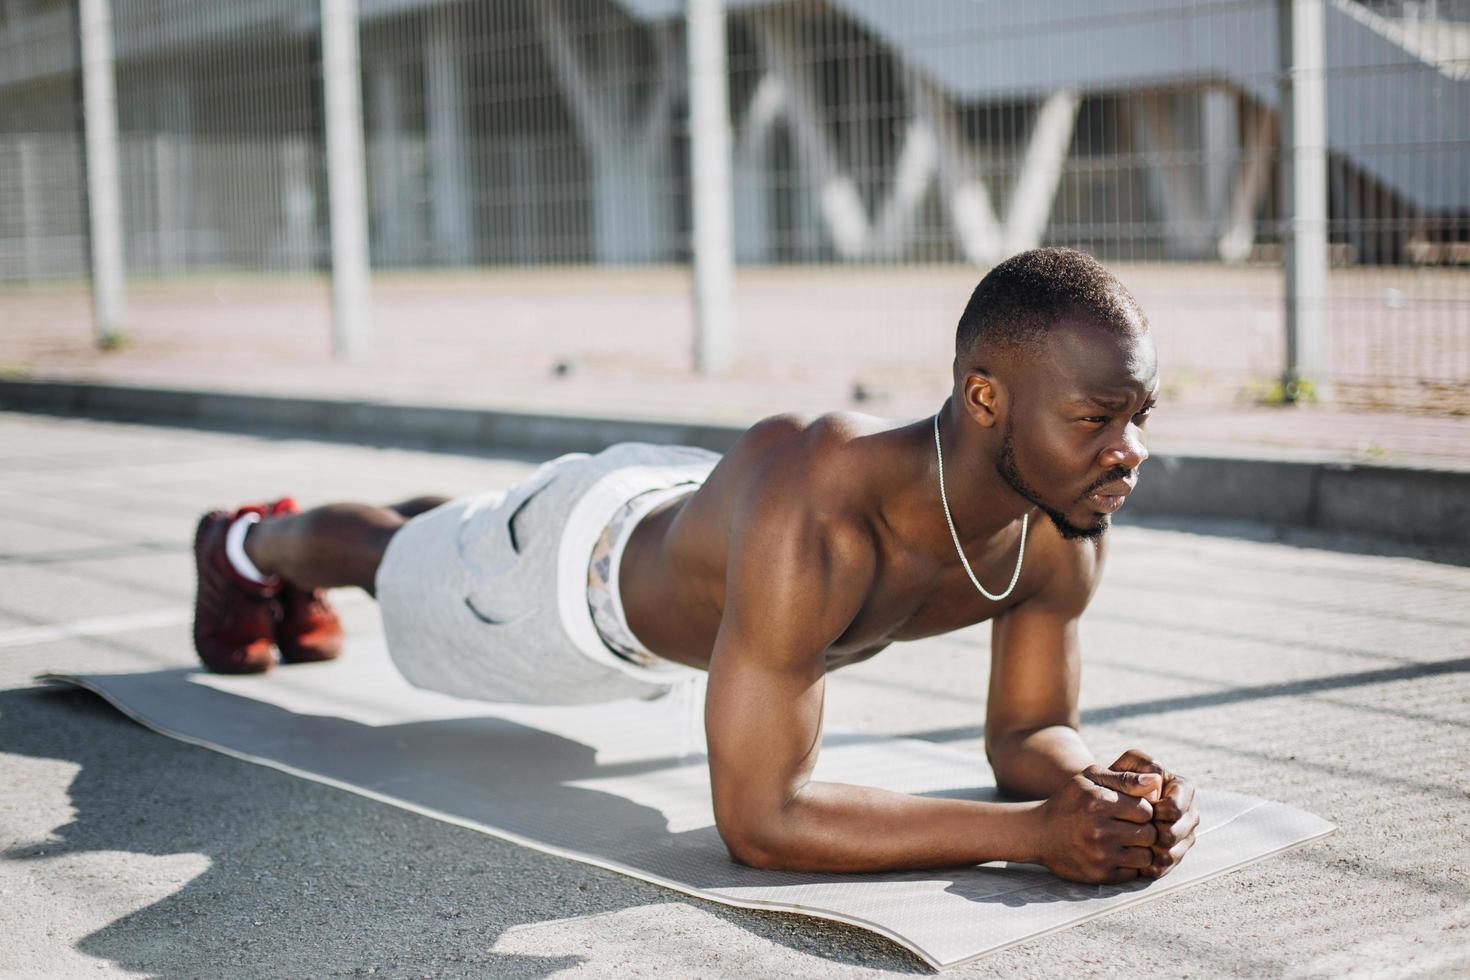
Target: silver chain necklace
<point x="1025" y="519"/>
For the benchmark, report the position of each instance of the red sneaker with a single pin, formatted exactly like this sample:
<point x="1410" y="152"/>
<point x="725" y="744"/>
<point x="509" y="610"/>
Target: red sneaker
<point x="233" y="616"/>
<point x="306" y="628"/>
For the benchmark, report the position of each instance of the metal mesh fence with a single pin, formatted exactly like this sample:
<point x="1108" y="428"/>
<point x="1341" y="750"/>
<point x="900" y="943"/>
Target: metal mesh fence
<point x="882" y="155"/>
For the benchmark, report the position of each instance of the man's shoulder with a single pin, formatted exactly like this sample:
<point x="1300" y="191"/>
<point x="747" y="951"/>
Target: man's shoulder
<point x="802" y="473"/>
<point x="806" y="444"/>
<point x="807" y="461"/>
<point x="802" y="553"/>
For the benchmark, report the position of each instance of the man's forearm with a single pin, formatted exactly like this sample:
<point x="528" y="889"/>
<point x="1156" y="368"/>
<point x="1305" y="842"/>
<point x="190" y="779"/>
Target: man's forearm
<point x="842" y="828"/>
<point x="1034" y="765"/>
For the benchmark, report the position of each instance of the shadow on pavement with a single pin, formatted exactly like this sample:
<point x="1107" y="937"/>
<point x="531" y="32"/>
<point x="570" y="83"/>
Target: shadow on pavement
<point x="307" y="880"/>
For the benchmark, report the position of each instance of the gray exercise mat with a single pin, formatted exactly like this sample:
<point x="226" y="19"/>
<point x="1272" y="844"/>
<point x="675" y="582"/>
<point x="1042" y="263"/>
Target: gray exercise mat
<point x="607" y="785"/>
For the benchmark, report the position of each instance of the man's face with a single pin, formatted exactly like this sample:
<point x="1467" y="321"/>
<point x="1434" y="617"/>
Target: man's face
<point x="1072" y="441"/>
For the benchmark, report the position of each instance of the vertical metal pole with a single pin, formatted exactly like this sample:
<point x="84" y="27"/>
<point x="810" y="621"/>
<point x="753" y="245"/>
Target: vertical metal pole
<point x="709" y="142"/>
<point x="104" y="209"/>
<point x="1304" y="196"/>
<point x="346" y="183"/>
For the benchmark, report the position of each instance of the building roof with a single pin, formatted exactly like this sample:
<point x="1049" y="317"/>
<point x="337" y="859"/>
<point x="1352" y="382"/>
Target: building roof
<point x="1397" y="106"/>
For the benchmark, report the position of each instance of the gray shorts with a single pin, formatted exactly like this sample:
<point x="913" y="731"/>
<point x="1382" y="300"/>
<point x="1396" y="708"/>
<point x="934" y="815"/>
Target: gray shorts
<point x="485" y="597"/>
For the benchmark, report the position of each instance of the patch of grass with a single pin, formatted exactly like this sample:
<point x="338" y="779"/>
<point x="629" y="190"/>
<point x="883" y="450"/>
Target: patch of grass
<point x="1176" y="384"/>
<point x="10" y="369"/>
<point x="113" y="342"/>
<point x="1261" y="391"/>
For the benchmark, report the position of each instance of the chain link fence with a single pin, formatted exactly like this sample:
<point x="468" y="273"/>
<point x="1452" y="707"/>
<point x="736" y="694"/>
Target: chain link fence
<point x="882" y="156"/>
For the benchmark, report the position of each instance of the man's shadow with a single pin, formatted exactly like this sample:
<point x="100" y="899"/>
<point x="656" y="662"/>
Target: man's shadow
<point x="338" y="882"/>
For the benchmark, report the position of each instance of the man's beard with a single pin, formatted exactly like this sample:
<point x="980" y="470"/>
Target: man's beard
<point x="1005" y="465"/>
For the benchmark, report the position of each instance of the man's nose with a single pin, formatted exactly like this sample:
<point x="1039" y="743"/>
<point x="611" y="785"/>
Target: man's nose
<point x="1129" y="452"/>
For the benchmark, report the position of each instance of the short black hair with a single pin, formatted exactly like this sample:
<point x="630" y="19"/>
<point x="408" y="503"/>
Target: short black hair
<point x="1022" y="298"/>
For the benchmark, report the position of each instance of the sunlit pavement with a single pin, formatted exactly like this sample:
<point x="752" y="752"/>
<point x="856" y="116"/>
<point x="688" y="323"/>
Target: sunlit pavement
<point x="1278" y="664"/>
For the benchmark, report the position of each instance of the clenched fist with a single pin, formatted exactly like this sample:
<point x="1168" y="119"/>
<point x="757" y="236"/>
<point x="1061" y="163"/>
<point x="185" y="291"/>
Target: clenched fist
<point x="1175" y="817"/>
<point x="1099" y="827"/>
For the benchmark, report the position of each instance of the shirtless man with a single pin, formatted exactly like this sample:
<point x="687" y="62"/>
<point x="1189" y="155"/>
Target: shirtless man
<point x="812" y="544"/>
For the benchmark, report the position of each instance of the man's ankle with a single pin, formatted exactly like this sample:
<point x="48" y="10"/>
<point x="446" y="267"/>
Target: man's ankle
<point x="244" y="554"/>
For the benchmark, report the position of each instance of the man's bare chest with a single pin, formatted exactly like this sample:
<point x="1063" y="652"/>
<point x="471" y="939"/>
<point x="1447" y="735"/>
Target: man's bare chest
<point x="912" y="604"/>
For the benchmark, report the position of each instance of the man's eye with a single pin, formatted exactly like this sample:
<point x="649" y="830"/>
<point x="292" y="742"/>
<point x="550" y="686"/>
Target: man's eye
<point x="1099" y="419"/>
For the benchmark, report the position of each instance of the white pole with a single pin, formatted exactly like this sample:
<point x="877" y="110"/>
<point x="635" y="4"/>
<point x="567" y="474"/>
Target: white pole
<point x="104" y="213"/>
<point x="709" y="142"/>
<point x="346" y="183"/>
<point x="1304" y="194"/>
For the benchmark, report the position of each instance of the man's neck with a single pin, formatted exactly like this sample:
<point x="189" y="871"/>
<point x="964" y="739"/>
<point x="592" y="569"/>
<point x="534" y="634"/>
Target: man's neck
<point x="982" y="505"/>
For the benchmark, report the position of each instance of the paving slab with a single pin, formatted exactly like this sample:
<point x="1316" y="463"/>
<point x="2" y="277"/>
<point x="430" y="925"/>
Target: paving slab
<point x="1324" y="672"/>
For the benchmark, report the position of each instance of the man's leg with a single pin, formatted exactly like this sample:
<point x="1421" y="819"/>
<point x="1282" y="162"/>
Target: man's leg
<point x="330" y="546"/>
<point x="249" y="606"/>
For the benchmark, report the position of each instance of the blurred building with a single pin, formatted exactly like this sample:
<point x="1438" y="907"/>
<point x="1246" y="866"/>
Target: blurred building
<point x="553" y="131"/>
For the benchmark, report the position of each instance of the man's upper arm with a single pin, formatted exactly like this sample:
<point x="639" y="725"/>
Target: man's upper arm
<point x="1035" y="658"/>
<point x="794" y="582"/>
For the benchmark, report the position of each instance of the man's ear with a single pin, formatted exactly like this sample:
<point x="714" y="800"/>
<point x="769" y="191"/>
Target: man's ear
<point x="983" y="397"/>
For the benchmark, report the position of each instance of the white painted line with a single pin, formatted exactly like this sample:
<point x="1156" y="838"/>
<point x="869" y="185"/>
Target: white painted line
<point x="99" y="626"/>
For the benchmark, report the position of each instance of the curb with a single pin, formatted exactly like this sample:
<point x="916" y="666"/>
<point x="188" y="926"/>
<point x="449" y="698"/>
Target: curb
<point x="1422" y="505"/>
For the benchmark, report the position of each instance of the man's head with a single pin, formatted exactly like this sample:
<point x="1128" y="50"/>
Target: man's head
<point x="1054" y="362"/>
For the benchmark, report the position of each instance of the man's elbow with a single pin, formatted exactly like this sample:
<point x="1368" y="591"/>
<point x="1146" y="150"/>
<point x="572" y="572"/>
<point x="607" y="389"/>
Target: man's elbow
<point x="754" y="843"/>
<point x="1000" y="759"/>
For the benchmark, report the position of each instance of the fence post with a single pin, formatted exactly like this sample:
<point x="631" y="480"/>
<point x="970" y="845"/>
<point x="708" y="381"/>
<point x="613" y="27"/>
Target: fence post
<point x="709" y="143"/>
<point x="1304" y="197"/>
<point x="104" y="209"/>
<point x="346" y="190"/>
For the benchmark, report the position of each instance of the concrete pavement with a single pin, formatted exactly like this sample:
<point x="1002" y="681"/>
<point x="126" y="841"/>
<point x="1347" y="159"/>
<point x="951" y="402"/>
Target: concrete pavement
<point x="1291" y="665"/>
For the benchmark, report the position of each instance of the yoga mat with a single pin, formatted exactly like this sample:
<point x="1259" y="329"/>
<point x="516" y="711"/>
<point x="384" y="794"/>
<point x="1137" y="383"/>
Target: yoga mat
<point x="607" y="785"/>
